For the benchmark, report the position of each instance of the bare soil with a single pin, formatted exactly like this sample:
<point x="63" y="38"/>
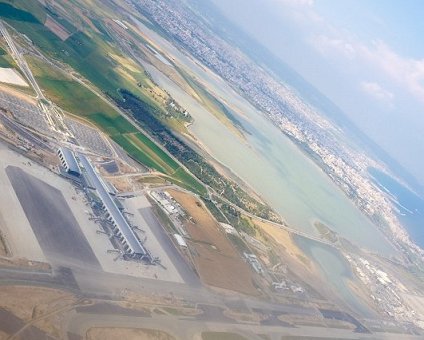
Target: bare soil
<point x="216" y="260"/>
<point x="57" y="28"/>
<point x="127" y="333"/>
<point x="28" y="303"/>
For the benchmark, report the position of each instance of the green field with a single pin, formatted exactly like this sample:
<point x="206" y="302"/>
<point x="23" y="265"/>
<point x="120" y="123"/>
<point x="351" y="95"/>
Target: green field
<point x="66" y="92"/>
<point x="86" y="52"/>
<point x="151" y="153"/>
<point x="89" y="54"/>
<point x="77" y="99"/>
<point x="142" y="149"/>
<point x="5" y="59"/>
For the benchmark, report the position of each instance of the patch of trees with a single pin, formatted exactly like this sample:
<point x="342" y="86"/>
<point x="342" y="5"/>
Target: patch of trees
<point x="148" y="118"/>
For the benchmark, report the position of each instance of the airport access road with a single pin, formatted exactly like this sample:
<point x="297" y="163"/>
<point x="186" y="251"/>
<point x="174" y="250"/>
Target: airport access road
<point x="16" y="54"/>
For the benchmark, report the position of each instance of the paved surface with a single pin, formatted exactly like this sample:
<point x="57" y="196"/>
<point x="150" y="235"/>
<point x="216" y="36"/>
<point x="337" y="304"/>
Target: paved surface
<point x="97" y="283"/>
<point x="13" y="222"/>
<point x="52" y="221"/>
<point x="88" y="137"/>
<point x="10" y="324"/>
<point x="26" y="113"/>
<point x="187" y="274"/>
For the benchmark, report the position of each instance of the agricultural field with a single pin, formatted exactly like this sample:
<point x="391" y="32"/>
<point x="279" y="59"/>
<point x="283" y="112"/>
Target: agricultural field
<point x="63" y="90"/>
<point x="84" y="50"/>
<point x="97" y="60"/>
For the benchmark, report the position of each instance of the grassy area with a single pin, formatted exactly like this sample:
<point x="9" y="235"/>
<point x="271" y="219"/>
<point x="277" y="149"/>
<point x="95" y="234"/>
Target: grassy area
<point x="152" y="180"/>
<point x="66" y="92"/>
<point x="77" y="99"/>
<point x="86" y="52"/>
<point x="213" y="105"/>
<point x="145" y="151"/>
<point x="5" y="59"/>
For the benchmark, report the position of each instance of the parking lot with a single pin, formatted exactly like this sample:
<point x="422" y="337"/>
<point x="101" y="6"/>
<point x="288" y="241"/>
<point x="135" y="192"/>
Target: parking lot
<point x="88" y="137"/>
<point x="24" y="112"/>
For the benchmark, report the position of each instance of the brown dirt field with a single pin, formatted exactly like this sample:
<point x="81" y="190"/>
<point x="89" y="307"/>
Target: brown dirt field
<point x="127" y="333"/>
<point x="23" y="263"/>
<point x="217" y="261"/>
<point x="57" y="28"/>
<point x="122" y="184"/>
<point x="243" y="317"/>
<point x="28" y="303"/>
<point x="282" y="237"/>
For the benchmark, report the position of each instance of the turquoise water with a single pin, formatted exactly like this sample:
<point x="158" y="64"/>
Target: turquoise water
<point x="335" y="270"/>
<point x="275" y="168"/>
<point x="410" y="205"/>
<point x="278" y="171"/>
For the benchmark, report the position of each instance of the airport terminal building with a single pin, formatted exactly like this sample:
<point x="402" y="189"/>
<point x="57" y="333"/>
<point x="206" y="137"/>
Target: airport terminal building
<point x="120" y="227"/>
<point x="68" y="161"/>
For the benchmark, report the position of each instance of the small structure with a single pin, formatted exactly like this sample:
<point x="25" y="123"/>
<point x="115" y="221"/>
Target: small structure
<point x="68" y="161"/>
<point x="229" y="229"/>
<point x="254" y="262"/>
<point x="180" y="240"/>
<point x="120" y="23"/>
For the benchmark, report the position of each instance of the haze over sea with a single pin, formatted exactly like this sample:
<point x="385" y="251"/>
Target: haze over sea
<point x="410" y="205"/>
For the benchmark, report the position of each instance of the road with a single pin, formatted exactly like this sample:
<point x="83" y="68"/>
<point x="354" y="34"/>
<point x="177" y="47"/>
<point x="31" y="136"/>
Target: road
<point x="11" y="124"/>
<point x="24" y="67"/>
<point x="212" y="305"/>
<point x="52" y="113"/>
<point x="17" y="56"/>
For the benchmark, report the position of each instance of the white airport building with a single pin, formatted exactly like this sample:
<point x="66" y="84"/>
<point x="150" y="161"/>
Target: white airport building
<point x="68" y="161"/>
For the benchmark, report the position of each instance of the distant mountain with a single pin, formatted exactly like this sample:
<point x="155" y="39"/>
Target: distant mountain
<point x="233" y="34"/>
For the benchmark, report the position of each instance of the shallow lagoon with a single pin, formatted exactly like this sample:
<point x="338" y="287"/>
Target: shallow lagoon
<point x="278" y="171"/>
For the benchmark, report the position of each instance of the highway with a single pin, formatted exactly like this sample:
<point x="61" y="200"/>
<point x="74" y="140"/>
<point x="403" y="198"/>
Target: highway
<point x="53" y="115"/>
<point x="17" y="56"/>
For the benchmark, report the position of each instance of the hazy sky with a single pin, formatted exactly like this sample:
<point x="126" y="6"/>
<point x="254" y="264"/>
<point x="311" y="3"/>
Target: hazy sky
<point x="367" y="56"/>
